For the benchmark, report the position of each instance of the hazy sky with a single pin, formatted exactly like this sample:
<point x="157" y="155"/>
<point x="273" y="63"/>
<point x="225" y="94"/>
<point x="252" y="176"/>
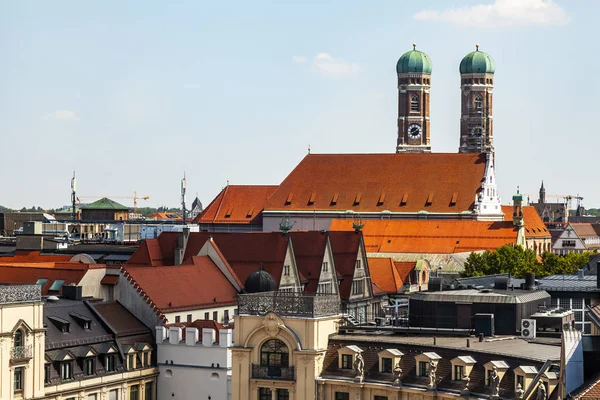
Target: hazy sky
<point x="131" y="94"/>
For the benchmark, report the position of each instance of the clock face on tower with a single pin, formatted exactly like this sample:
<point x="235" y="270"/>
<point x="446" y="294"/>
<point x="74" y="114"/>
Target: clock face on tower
<point x="414" y="131"/>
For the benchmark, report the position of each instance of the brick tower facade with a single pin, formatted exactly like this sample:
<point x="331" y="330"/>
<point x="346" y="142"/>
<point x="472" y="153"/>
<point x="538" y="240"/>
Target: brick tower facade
<point x="414" y="82"/>
<point x="477" y="84"/>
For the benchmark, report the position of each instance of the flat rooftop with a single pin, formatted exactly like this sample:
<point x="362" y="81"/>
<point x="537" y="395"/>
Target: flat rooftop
<point x="504" y="346"/>
<point x="483" y="296"/>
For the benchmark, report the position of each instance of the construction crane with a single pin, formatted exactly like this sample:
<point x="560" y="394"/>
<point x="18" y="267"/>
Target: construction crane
<point x="135" y="198"/>
<point x="566" y="197"/>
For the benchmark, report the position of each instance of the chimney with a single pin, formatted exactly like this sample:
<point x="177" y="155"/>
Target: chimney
<point x="225" y="337"/>
<point x="530" y="281"/>
<point x="174" y="334"/>
<point x="468" y="342"/>
<point x="191" y="336"/>
<point x="161" y="334"/>
<point x="72" y="292"/>
<point x="208" y="336"/>
<point x="182" y="241"/>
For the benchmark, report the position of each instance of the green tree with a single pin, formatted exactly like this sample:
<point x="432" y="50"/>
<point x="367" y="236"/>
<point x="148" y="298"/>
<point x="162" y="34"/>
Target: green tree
<point x="507" y="259"/>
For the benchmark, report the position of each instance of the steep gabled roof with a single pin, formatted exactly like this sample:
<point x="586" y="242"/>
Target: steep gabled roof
<point x="236" y="204"/>
<point x="385" y="275"/>
<point x="432" y="236"/>
<point x="346" y="247"/>
<point x="436" y="182"/>
<point x="309" y="251"/>
<point x="534" y="226"/>
<point x="584" y="229"/>
<point x="105" y="204"/>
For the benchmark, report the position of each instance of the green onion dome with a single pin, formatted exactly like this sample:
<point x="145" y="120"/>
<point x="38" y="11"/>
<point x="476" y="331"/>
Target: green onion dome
<point x="414" y="61"/>
<point x="477" y="62"/>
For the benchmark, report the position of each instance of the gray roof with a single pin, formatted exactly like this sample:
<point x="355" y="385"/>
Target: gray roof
<point x="509" y="347"/>
<point x="558" y="283"/>
<point x="488" y="281"/>
<point x="478" y="296"/>
<point x="117" y="257"/>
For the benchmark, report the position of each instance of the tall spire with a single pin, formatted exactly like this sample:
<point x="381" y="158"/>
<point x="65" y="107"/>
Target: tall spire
<point x="542" y="199"/>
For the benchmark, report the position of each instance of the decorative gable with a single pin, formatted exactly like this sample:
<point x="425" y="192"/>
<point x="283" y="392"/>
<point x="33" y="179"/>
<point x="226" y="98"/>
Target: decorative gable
<point x="347" y="355"/>
<point x="461" y="367"/>
<point x="388" y="359"/>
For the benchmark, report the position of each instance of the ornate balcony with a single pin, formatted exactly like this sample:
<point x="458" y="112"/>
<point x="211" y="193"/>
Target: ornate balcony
<point x="265" y="372"/>
<point x="289" y="304"/>
<point x="21" y="353"/>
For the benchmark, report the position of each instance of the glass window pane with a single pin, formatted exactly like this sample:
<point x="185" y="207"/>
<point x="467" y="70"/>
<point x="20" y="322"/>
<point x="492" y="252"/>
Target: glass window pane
<point x="57" y="285"/>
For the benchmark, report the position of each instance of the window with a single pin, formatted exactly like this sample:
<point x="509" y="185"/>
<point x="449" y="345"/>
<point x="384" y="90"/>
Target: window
<point x="380" y="398"/>
<point x="478" y="103"/>
<point x="113" y="394"/>
<point x="347" y="360"/>
<point x="206" y="316"/>
<point x="41" y="281"/>
<point x="65" y="371"/>
<point x="459" y="372"/>
<point x="274" y="355"/>
<point x="149" y="391"/>
<point x="215" y="315"/>
<point x="214" y="376"/>
<point x="47" y="371"/>
<point x="18" y="339"/>
<point x="488" y="380"/>
<point x="358" y="264"/>
<point x="131" y="361"/>
<point x="88" y="366"/>
<point x="18" y="380"/>
<point x="423" y="367"/>
<point x="264" y="394"/>
<point x="226" y="316"/>
<point x="386" y="365"/>
<point x="357" y="287"/>
<point x="325" y="266"/>
<point x="56" y="285"/>
<point x="283" y="394"/>
<point x="414" y="103"/>
<point x="521" y="381"/>
<point x="134" y="392"/>
<point x="91" y="396"/>
<point x="177" y="319"/>
<point x="286" y="270"/>
<point x="189" y="318"/>
<point x="146" y="358"/>
<point x="110" y="363"/>
<point x="324" y="287"/>
<point x="342" y="396"/>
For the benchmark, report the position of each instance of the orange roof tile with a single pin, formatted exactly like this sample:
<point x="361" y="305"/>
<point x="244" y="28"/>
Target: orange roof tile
<point x="534" y="226"/>
<point x="33" y="257"/>
<point x="237" y="204"/>
<point x="432" y="236"/>
<point x="384" y="274"/>
<point x="70" y="273"/>
<point x="377" y="182"/>
<point x="199" y="284"/>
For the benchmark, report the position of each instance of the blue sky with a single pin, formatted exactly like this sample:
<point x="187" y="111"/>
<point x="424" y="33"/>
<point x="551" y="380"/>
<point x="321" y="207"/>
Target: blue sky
<point x="132" y="94"/>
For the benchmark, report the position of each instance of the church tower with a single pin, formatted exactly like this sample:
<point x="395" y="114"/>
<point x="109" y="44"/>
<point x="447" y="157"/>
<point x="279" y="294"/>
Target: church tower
<point x="414" y="80"/>
<point x="477" y="84"/>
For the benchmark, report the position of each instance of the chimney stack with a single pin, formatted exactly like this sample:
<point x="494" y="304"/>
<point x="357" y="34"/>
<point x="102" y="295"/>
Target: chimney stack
<point x="191" y="336"/>
<point x="225" y="337"/>
<point x="208" y="336"/>
<point x="174" y="334"/>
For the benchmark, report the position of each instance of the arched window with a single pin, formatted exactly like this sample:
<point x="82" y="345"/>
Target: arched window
<point x="478" y="103"/>
<point x="414" y="103"/>
<point x="18" y="339"/>
<point x="274" y="355"/>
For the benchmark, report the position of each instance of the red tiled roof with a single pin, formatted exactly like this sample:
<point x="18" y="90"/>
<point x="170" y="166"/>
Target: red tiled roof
<point x="109" y="280"/>
<point x="309" y="250"/>
<point x="345" y="246"/>
<point x="433" y="182"/>
<point x="534" y="226"/>
<point x="33" y="257"/>
<point x="589" y="391"/>
<point x="404" y="269"/>
<point x="196" y="285"/>
<point x="237" y="204"/>
<point x="432" y="236"/>
<point x="384" y="275"/>
<point x="71" y="273"/>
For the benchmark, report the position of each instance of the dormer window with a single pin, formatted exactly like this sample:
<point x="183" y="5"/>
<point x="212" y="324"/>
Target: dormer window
<point x="414" y="103"/>
<point x="424" y="360"/>
<point x="110" y="363"/>
<point x="131" y="361"/>
<point x="461" y="367"/>
<point x="88" y="366"/>
<point x="524" y="375"/>
<point x="494" y="368"/>
<point x="66" y="370"/>
<point x="347" y="355"/>
<point x="388" y="359"/>
<point x="62" y="324"/>
<point x="82" y="320"/>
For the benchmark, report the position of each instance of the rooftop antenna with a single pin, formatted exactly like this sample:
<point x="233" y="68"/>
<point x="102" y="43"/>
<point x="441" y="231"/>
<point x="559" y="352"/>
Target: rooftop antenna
<point x="183" y="189"/>
<point x="73" y="195"/>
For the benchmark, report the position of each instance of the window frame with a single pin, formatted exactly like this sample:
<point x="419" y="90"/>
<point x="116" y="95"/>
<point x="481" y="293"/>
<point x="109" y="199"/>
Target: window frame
<point x="415" y="103"/>
<point x="89" y="366"/>
<point x="458" y="371"/>
<point x="134" y="392"/>
<point x="387" y="365"/>
<point x="19" y="373"/>
<point x="21" y="338"/>
<point x="345" y="364"/>
<point x="423" y="368"/>
<point x="110" y="364"/>
<point x="66" y="370"/>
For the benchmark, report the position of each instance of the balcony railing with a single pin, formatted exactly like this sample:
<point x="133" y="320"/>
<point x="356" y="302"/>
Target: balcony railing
<point x="289" y="304"/>
<point x="267" y="372"/>
<point x="21" y="353"/>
